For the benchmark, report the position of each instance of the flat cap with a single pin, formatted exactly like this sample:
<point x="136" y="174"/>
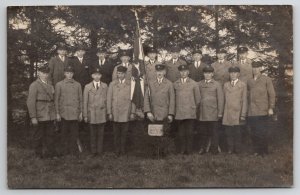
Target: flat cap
<point x="197" y="51"/>
<point x="183" y="67"/>
<point x="69" y="68"/>
<point x="44" y="68"/>
<point x="175" y="49"/>
<point x="96" y="70"/>
<point x="256" y="64"/>
<point x="222" y="51"/>
<point x="233" y="69"/>
<point x="124" y="53"/>
<point x="121" y="69"/>
<point x="101" y="50"/>
<point x="242" y="49"/>
<point x="61" y="47"/>
<point x="208" y="69"/>
<point x="152" y="50"/>
<point x="159" y="67"/>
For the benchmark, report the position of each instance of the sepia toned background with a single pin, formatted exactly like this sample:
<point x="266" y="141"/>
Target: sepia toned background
<point x="33" y="33"/>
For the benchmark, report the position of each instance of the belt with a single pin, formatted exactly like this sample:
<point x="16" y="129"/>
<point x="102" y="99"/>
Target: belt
<point x="44" y="100"/>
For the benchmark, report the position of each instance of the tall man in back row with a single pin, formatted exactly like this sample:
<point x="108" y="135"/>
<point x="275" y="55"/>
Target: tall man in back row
<point x="57" y="65"/>
<point x="173" y="64"/>
<point x="196" y="67"/>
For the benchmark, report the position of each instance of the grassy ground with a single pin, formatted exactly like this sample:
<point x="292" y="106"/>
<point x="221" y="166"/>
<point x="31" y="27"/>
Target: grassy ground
<point x="139" y="171"/>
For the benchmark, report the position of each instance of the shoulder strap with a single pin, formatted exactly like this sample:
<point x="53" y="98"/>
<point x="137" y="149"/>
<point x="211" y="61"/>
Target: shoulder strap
<point x="49" y="95"/>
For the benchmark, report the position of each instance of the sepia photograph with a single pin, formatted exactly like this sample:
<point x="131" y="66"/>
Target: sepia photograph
<point x="150" y="96"/>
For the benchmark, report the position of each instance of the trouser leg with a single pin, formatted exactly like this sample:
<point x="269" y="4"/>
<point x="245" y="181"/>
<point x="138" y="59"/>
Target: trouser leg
<point x="49" y="141"/>
<point x="100" y="136"/>
<point x="124" y="131"/>
<point x="181" y="136"/>
<point x="116" y="127"/>
<point x="189" y="135"/>
<point x="214" y="136"/>
<point x="74" y="136"/>
<point x="229" y="137"/>
<point x="38" y="139"/>
<point x="93" y="138"/>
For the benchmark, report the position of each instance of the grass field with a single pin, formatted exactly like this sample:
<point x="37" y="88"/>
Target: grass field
<point x="137" y="171"/>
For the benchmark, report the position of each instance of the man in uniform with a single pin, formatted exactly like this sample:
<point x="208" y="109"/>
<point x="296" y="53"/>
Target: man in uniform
<point x="94" y="110"/>
<point x="124" y="57"/>
<point x="187" y="97"/>
<point x="211" y="111"/>
<point x="120" y="109"/>
<point x="68" y="104"/>
<point x="42" y="113"/>
<point x="159" y="101"/>
<point x="150" y="65"/>
<point x="57" y="65"/>
<point x="235" y="109"/>
<point x="106" y="66"/>
<point x="196" y="67"/>
<point x="244" y="64"/>
<point x="173" y="64"/>
<point x="81" y="67"/>
<point x="261" y="105"/>
<point x="221" y="66"/>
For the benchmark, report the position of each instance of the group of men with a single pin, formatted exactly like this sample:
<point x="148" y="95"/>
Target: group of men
<point x="208" y="99"/>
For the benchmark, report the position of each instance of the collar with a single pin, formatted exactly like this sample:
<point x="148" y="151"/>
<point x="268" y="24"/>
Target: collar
<point x="152" y="62"/>
<point x="102" y="60"/>
<point x="69" y="80"/>
<point x="160" y="80"/>
<point x="125" y="64"/>
<point x="80" y="58"/>
<point x="235" y="81"/>
<point x="95" y="82"/>
<point x="257" y="77"/>
<point x="174" y="60"/>
<point x="184" y="80"/>
<point x="122" y="81"/>
<point x="221" y="61"/>
<point x="42" y="81"/>
<point x="208" y="81"/>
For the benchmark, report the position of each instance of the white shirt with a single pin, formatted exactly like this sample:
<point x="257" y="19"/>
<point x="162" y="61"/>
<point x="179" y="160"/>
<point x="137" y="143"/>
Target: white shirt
<point x="101" y="62"/>
<point x="62" y="58"/>
<point x="183" y="80"/>
<point x="197" y="64"/>
<point x="152" y="62"/>
<point x="44" y="81"/>
<point x="80" y="59"/>
<point x="208" y="81"/>
<point x="221" y="61"/>
<point x="97" y="84"/>
<point x="125" y="64"/>
<point x="122" y="81"/>
<point x="175" y="60"/>
<point x="243" y="61"/>
<point x="159" y="80"/>
<point x="234" y="82"/>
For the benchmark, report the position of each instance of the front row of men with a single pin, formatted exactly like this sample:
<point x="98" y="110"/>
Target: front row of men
<point x="191" y="104"/>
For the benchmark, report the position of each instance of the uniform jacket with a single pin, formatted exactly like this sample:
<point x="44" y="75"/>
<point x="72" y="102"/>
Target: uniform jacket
<point x="68" y="99"/>
<point x="221" y="73"/>
<point x="246" y="70"/>
<point x="162" y="98"/>
<point x="118" y="101"/>
<point x="150" y="70"/>
<point x="94" y="103"/>
<point x="81" y="70"/>
<point x="235" y="103"/>
<point x="187" y="98"/>
<point x="212" y="100"/>
<point x="172" y="69"/>
<point x="261" y="96"/>
<point x="196" y="73"/>
<point x="128" y="73"/>
<point x="57" y="67"/>
<point x="40" y="101"/>
<point x="107" y="69"/>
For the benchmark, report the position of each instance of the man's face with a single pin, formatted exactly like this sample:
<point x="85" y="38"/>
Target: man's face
<point x="152" y="56"/>
<point x="62" y="52"/>
<point x="160" y="74"/>
<point x="256" y="70"/>
<point x="234" y="75"/>
<point x="221" y="56"/>
<point x="43" y="75"/>
<point x="96" y="76"/>
<point x="208" y="75"/>
<point x="243" y="55"/>
<point x="175" y="55"/>
<point x="184" y="74"/>
<point x="80" y="53"/>
<point x="69" y="75"/>
<point x="125" y="59"/>
<point x="197" y="56"/>
<point x="121" y="75"/>
<point x="101" y="55"/>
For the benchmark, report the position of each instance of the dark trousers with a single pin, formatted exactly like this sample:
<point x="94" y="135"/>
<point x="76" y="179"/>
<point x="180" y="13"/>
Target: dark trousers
<point x="185" y="135"/>
<point x="209" y="133"/>
<point x="96" y="138"/>
<point x="43" y="141"/>
<point x="259" y="133"/>
<point x="120" y="136"/>
<point x="69" y="136"/>
<point x="222" y="137"/>
<point x="233" y="135"/>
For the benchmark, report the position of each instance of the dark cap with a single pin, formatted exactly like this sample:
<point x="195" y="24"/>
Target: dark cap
<point x="242" y="49"/>
<point x="175" y="49"/>
<point x="152" y="50"/>
<point x="234" y="69"/>
<point x="121" y="69"/>
<point x="197" y="51"/>
<point x="256" y="64"/>
<point x="208" y="69"/>
<point x="69" y="69"/>
<point x="183" y="67"/>
<point x="80" y="47"/>
<point x="159" y="67"/>
<point x="61" y="47"/>
<point x="124" y="53"/>
<point x="44" y="68"/>
<point x="96" y="70"/>
<point x="101" y="50"/>
<point x="222" y="51"/>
